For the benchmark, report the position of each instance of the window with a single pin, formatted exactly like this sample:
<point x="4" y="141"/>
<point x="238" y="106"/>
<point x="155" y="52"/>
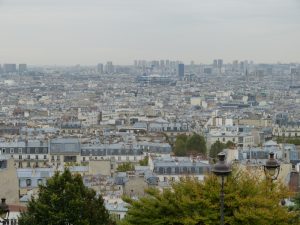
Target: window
<point x="200" y="170"/>
<point x="45" y="156"/>
<point x="40" y="181"/>
<point x="11" y="151"/>
<point x="161" y="170"/>
<point x="70" y="158"/>
<point x="20" y="150"/>
<point x="83" y="159"/>
<point x="28" y="156"/>
<point x="20" y="156"/>
<point x="36" y="157"/>
<point x="52" y="158"/>
<point x="119" y="158"/>
<point x="28" y="164"/>
<point x="28" y="182"/>
<point x="193" y="170"/>
<point x="3" y="150"/>
<point x="169" y="170"/>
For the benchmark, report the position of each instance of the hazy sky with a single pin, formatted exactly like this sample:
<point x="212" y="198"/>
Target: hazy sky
<point x="92" y="31"/>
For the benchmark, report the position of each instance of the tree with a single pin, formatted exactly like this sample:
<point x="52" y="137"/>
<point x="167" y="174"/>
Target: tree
<point x="144" y="162"/>
<point x="289" y="140"/>
<point x="185" y="145"/>
<point x="230" y="144"/>
<point x="296" y="201"/>
<point x="65" y="200"/>
<point x="180" y="149"/>
<point x="196" y="144"/>
<point x="216" y="148"/>
<point x="180" y="145"/>
<point x="124" y="167"/>
<point x="248" y="200"/>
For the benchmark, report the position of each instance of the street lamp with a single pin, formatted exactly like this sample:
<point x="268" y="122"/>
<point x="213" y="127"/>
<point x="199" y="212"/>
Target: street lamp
<point x="4" y="211"/>
<point x="272" y="167"/>
<point x="222" y="170"/>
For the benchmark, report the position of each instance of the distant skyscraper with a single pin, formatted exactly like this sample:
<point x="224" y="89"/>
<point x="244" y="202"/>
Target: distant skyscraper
<point x="162" y="64"/>
<point x="215" y="63"/>
<point x="220" y="63"/>
<point x="9" y="68"/>
<point x="22" y="68"/>
<point x="235" y="65"/>
<point x="109" y="68"/>
<point x="167" y="63"/>
<point x="181" y="70"/>
<point x="100" y="68"/>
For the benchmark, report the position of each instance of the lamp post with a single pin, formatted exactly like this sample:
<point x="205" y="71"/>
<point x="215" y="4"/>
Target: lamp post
<point x="272" y="167"/>
<point x="4" y="211"/>
<point x="222" y="170"/>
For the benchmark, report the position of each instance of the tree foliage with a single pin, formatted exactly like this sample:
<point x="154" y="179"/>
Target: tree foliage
<point x="296" y="201"/>
<point x="65" y="200"/>
<point x="144" y="162"/>
<point x="196" y="144"/>
<point x="185" y="145"/>
<point x="218" y="147"/>
<point x="289" y="140"/>
<point x="180" y="145"/>
<point x="124" y="167"/>
<point x="248" y="200"/>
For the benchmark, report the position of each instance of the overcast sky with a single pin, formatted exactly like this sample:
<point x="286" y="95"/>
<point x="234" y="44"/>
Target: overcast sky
<point x="92" y="31"/>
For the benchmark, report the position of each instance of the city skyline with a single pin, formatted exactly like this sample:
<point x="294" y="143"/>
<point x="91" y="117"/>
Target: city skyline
<point x="89" y="32"/>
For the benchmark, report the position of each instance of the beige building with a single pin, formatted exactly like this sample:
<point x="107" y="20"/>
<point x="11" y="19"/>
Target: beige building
<point x="8" y="180"/>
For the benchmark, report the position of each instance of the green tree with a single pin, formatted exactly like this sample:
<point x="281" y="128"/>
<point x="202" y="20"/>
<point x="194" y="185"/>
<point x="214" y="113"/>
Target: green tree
<point x="144" y="162"/>
<point x="196" y="144"/>
<point x="296" y="201"/>
<point x="65" y="200"/>
<point x="179" y="149"/>
<point x="180" y="145"/>
<point x="124" y="167"/>
<point x="248" y="200"/>
<point x="216" y="148"/>
<point x="185" y="145"/>
<point x="230" y="144"/>
<point x="289" y="140"/>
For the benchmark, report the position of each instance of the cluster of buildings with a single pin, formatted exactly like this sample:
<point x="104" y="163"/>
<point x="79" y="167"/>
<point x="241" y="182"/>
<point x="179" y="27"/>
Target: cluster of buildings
<point x="10" y="68"/>
<point x="93" y="119"/>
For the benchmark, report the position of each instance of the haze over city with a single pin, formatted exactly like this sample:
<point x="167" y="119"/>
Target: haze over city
<point x="91" y="31"/>
<point x="149" y="112"/>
